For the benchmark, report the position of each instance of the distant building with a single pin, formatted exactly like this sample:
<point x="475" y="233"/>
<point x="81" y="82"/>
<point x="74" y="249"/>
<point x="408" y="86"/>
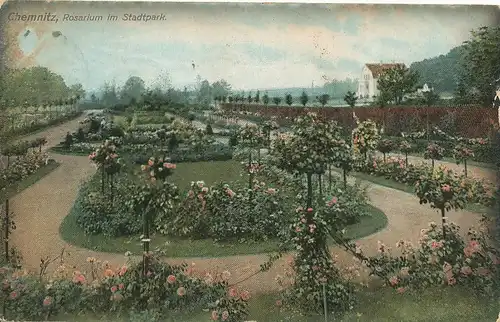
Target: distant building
<point x="368" y="83"/>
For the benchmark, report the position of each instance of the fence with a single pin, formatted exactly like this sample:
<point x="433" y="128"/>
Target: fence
<point x="468" y="121"/>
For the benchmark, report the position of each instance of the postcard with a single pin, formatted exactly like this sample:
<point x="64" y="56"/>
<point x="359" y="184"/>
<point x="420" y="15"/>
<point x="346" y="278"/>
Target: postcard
<point x="249" y="161"/>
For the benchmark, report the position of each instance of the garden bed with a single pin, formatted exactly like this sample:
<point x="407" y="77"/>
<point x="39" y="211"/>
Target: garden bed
<point x="382" y="305"/>
<point x="210" y="172"/>
<point x="28" y="181"/>
<point x="37" y="128"/>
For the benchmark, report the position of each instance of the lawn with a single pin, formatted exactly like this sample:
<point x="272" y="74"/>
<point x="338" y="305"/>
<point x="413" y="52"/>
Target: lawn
<point x="380" y="305"/>
<point x="30" y="180"/>
<point x="210" y="172"/>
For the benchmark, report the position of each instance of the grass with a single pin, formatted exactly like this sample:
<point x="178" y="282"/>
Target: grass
<point x="210" y="172"/>
<point x="380" y="305"/>
<point x="62" y="151"/>
<point x="407" y="188"/>
<point x="30" y="180"/>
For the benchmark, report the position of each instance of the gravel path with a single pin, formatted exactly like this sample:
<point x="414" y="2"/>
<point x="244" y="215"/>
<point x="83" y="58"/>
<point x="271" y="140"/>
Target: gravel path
<point x="472" y="171"/>
<point x="40" y="209"/>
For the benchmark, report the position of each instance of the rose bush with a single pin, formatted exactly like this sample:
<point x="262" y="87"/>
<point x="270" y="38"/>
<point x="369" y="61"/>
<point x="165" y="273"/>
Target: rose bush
<point x="21" y="167"/>
<point x="385" y="146"/>
<point x="434" y="152"/>
<point x="462" y="153"/>
<point x="365" y="137"/>
<point x="165" y="290"/>
<point x="442" y="257"/>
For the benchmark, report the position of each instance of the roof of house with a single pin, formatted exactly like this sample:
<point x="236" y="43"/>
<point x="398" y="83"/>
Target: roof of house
<point x="378" y="69"/>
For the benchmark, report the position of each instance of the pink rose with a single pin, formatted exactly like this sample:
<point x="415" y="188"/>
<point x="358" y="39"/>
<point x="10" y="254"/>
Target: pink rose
<point x="171" y="279"/>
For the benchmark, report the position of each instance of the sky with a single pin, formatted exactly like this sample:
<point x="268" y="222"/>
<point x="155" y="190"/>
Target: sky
<point x="251" y="46"/>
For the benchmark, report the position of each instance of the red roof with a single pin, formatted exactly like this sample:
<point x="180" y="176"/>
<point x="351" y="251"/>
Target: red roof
<point x="378" y="69"/>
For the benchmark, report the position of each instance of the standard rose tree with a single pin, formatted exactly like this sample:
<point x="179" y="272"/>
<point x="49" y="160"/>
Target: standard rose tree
<point x="434" y="152"/>
<point x="365" y="137"/>
<point x="442" y="189"/>
<point x="462" y="153"/>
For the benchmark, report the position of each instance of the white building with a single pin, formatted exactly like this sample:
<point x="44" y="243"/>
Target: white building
<point x="368" y="83"/>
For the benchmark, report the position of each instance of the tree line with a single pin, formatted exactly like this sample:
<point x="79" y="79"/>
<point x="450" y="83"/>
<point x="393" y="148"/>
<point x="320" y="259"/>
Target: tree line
<point x="36" y="87"/>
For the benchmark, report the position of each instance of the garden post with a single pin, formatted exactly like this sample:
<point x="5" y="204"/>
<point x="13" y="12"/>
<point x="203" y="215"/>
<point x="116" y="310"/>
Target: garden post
<point x="250" y="173"/>
<point x="345" y="177"/>
<point x="324" y="302"/>
<point x="7" y="224"/>
<point x="443" y="221"/>
<point x="465" y="165"/>
<point x="406" y="159"/>
<point x="320" y="181"/>
<point x="329" y="177"/>
<point x="432" y="160"/>
<point x="102" y="178"/>
<point x="6" y="233"/>
<point x="145" y="241"/>
<point x="309" y="190"/>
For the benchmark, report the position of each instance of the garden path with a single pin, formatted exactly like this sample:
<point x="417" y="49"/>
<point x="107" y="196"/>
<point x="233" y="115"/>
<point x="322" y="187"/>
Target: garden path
<point x="472" y="171"/>
<point x="40" y="209"/>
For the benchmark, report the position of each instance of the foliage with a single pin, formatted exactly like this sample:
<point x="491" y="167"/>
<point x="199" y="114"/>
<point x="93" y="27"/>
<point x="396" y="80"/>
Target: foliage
<point x="443" y="257"/>
<point x="385" y="146"/>
<point x="478" y="191"/>
<point x="462" y="153"/>
<point x="307" y="149"/>
<point x="397" y="82"/>
<point x="350" y="99"/>
<point x="314" y="269"/>
<point x="304" y="99"/>
<point x="21" y="167"/>
<point x="223" y="213"/>
<point x="97" y="214"/>
<point x="434" y="152"/>
<point x="442" y="189"/>
<point x="265" y="99"/>
<point x="441" y="71"/>
<point x="482" y="61"/>
<point x="323" y="99"/>
<point x="365" y="136"/>
<point x="166" y="289"/>
<point x="277" y="100"/>
<point x="405" y="146"/>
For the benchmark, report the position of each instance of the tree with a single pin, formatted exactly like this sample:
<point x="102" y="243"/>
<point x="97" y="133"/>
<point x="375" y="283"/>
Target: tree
<point x="430" y="98"/>
<point x="249" y="98"/>
<point x="304" y="98"/>
<point x="221" y="89"/>
<point x="265" y="99"/>
<point x="350" y="98"/>
<point x="257" y="97"/>
<point x="134" y="87"/>
<point x="323" y="99"/>
<point x="481" y="62"/>
<point x="277" y="100"/>
<point x="288" y="99"/>
<point x="398" y="81"/>
<point x="204" y="96"/>
<point x="461" y="94"/>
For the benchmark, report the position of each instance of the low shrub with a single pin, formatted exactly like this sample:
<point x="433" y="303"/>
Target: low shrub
<point x="163" y="291"/>
<point x="442" y="257"/>
<point x="479" y="191"/>
<point x="21" y="167"/>
<point x="97" y="214"/>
